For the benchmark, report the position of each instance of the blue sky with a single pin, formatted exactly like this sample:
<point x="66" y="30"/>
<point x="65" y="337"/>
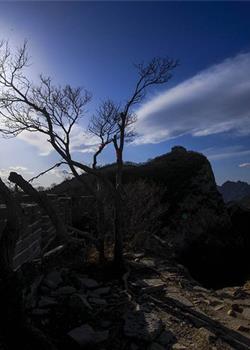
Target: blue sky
<point x="205" y="106"/>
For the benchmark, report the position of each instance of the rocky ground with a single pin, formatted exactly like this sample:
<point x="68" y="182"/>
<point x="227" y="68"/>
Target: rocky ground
<point x="155" y="306"/>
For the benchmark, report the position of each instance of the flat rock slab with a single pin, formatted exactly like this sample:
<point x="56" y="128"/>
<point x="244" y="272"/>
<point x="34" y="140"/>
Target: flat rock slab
<point x="85" y="335"/>
<point x="102" y="290"/>
<point x="180" y="298"/>
<point x="200" y="289"/>
<point x="46" y="302"/>
<point x="152" y="285"/>
<point x="246" y="313"/>
<point x="53" y="279"/>
<point x="79" y="302"/>
<point x="142" y="325"/>
<point x="88" y="283"/>
<point x="147" y="262"/>
<point x="98" y="301"/>
<point x="66" y="290"/>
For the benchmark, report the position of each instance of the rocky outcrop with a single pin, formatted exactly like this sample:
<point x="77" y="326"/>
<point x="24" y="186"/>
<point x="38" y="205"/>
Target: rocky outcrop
<point x="197" y="214"/>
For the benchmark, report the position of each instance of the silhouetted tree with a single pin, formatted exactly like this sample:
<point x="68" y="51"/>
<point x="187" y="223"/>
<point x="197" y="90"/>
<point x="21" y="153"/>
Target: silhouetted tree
<point x="54" y="111"/>
<point x="117" y="127"/>
<point x="43" y="108"/>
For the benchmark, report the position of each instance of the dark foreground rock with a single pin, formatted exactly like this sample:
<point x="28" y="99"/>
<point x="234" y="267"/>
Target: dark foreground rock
<point x="161" y="307"/>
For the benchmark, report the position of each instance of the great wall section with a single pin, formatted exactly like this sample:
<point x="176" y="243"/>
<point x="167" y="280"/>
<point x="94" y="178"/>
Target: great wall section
<point x="39" y="228"/>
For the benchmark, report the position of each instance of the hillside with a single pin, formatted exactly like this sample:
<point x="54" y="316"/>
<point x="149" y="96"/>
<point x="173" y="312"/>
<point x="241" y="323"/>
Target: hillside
<point x="174" y="169"/>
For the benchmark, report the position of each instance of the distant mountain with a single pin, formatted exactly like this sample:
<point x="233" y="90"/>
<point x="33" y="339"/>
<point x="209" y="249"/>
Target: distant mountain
<point x="234" y="191"/>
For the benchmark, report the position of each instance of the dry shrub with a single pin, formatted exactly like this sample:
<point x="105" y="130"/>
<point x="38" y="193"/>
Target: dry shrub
<point x="143" y="209"/>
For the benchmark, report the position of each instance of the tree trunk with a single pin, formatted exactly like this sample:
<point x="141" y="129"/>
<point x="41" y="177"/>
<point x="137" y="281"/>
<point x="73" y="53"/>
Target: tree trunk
<point x="118" y="228"/>
<point x="101" y="230"/>
<point x="118" y="222"/>
<point x="42" y="200"/>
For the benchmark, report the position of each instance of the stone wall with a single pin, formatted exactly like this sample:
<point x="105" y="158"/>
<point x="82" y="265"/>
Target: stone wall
<point x="39" y="229"/>
<point x="29" y="244"/>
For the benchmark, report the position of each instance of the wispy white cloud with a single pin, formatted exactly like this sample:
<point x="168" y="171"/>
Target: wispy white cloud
<point x="214" y="153"/>
<point x="244" y="165"/>
<point x="40" y="141"/>
<point x="80" y="141"/>
<point x="213" y="101"/>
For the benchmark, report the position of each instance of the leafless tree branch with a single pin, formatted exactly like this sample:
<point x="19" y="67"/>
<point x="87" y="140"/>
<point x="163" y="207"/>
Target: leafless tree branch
<point x="46" y="171"/>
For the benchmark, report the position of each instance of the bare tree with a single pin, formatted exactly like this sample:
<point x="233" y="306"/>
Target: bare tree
<point x="103" y="125"/>
<point x="54" y="111"/>
<point x="158" y="71"/>
<point x="44" y="108"/>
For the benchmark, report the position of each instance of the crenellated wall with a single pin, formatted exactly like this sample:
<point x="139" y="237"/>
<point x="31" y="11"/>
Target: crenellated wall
<point x="39" y="229"/>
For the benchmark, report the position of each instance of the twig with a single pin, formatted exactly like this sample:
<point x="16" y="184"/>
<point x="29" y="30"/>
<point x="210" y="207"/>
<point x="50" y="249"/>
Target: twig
<point x="46" y="171"/>
<point x="58" y="249"/>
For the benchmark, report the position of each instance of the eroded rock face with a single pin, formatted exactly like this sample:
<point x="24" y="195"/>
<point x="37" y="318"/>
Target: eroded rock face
<point x="197" y="213"/>
<point x="198" y="227"/>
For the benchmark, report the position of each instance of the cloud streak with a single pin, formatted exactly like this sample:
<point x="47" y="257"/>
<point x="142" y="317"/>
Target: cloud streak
<point x="244" y="165"/>
<point x="226" y="152"/>
<point x="214" y="101"/>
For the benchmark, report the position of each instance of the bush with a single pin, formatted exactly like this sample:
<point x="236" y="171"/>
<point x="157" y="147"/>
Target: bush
<point x="143" y="209"/>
